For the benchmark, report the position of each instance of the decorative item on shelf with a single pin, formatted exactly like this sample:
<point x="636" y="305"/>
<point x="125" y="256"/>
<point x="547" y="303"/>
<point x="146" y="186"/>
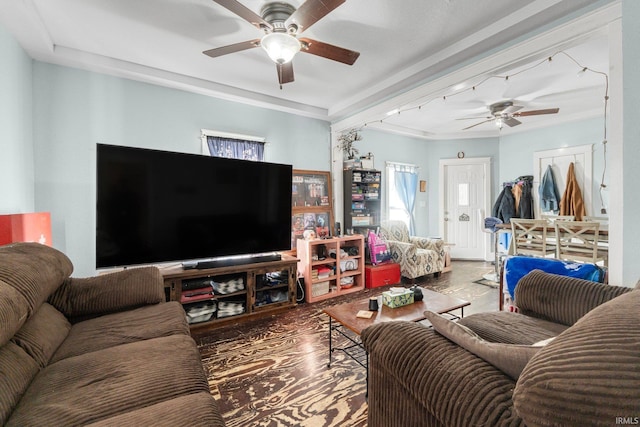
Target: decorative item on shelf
<point x="345" y="143"/>
<point x="367" y="161"/>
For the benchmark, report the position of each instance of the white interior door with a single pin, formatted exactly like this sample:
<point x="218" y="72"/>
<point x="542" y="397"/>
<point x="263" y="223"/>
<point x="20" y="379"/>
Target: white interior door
<point x="464" y="193"/>
<point x="582" y="158"/>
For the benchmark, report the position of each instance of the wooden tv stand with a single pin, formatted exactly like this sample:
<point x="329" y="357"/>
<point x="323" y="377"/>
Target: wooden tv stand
<point x="261" y="293"/>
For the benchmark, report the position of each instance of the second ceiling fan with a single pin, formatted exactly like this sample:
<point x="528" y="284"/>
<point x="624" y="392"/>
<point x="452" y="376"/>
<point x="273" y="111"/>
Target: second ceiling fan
<point x="282" y="24"/>
<point x="505" y="113"/>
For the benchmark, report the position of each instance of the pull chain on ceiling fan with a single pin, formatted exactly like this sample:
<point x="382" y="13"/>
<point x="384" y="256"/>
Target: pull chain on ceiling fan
<point x="282" y="23"/>
<point x="505" y="113"/>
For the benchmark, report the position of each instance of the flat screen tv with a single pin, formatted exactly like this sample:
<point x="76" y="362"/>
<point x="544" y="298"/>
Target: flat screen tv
<point x="158" y="206"/>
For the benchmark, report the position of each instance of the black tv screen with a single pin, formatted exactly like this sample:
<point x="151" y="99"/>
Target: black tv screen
<point x="158" y="206"/>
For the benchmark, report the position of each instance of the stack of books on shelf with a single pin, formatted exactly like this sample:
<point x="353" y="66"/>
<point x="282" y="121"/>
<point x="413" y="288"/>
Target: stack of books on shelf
<point x="372" y="192"/>
<point x="320" y="273"/>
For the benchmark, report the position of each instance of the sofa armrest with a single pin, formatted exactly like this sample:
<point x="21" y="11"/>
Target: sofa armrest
<point x="428" y="243"/>
<point x="401" y="250"/>
<point x="561" y="299"/>
<point x="419" y="377"/>
<point x="109" y="293"/>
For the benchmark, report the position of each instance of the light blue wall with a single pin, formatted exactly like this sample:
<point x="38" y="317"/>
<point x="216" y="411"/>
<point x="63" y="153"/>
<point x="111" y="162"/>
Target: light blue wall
<point x="631" y="137"/>
<point x="74" y="110"/>
<point x="426" y="155"/>
<point x="16" y="140"/>
<point x="517" y="151"/>
<point x="61" y="113"/>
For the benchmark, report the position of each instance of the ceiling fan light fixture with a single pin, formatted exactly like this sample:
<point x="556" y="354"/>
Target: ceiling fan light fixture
<point x="281" y="47"/>
<point x="499" y="123"/>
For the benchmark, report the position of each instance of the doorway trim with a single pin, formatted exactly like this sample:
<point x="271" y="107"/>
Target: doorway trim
<point x="484" y="161"/>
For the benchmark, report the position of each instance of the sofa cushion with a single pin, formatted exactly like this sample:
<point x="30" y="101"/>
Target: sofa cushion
<point x="561" y="299"/>
<point x="511" y="328"/>
<point x="98" y="385"/>
<point x="82" y="298"/>
<point x="588" y="375"/>
<point x="509" y="358"/>
<point x="34" y="271"/>
<point x="41" y="336"/>
<point x="193" y="410"/>
<point x="17" y="369"/>
<point x="14" y="311"/>
<point x="143" y="323"/>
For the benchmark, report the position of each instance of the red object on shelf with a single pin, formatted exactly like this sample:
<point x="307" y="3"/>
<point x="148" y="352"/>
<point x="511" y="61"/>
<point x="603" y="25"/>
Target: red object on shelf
<point x="27" y="227"/>
<point x="185" y="298"/>
<point x="382" y="275"/>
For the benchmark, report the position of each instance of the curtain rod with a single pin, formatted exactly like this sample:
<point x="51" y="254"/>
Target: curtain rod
<point x="402" y="164"/>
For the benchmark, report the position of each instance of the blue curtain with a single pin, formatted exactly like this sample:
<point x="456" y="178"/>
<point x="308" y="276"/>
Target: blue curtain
<point x="235" y="148"/>
<point x="407" y="186"/>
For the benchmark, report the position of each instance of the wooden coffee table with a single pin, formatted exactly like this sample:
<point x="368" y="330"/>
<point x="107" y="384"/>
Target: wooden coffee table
<point x="343" y="316"/>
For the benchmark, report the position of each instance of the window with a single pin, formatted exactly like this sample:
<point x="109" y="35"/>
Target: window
<point x="401" y="195"/>
<point x="396" y="209"/>
<point x="232" y="146"/>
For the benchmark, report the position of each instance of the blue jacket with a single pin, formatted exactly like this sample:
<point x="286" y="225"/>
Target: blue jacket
<point x="548" y="192"/>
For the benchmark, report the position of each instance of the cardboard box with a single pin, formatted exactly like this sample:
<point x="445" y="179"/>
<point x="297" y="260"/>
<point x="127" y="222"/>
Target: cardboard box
<point x="394" y="299"/>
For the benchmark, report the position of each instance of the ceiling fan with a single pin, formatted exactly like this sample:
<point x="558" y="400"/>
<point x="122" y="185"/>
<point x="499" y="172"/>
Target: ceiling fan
<point x="505" y="113"/>
<point x="282" y="24"/>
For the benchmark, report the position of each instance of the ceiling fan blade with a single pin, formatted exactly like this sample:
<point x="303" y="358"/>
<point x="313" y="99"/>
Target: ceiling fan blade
<point x="537" y="112"/>
<point x="511" y="109"/>
<point x="511" y="122"/>
<point x="328" y="51"/>
<point x="311" y="12"/>
<point x="285" y="73"/>
<point x="219" y="51"/>
<point x="245" y="13"/>
<point x="474" y="118"/>
<point x="478" y="124"/>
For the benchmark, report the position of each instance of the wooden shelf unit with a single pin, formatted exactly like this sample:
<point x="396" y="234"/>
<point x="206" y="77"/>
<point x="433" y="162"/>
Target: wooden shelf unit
<point x="321" y="288"/>
<point x="362" y="200"/>
<point x="252" y="297"/>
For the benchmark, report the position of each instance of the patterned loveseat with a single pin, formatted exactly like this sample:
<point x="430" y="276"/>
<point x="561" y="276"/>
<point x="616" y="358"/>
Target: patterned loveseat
<point x="417" y="256"/>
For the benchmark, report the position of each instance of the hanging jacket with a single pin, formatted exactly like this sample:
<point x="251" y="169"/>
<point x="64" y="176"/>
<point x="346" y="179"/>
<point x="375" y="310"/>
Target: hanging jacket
<point x="548" y="192"/>
<point x="525" y="206"/>
<point x="504" y="207"/>
<point x="571" y="202"/>
<point x="516" y="190"/>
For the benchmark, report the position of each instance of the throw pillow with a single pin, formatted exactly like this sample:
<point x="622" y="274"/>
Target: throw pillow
<point x="509" y="358"/>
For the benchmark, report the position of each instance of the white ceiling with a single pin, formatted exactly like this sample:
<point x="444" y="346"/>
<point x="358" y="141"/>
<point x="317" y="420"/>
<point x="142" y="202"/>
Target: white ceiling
<point x="402" y="45"/>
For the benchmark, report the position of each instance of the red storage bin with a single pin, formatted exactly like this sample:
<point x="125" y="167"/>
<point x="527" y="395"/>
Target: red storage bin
<point x="381" y="275"/>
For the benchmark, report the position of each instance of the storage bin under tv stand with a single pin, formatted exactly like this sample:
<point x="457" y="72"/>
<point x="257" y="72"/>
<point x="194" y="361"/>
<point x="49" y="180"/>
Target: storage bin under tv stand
<point x="253" y="275"/>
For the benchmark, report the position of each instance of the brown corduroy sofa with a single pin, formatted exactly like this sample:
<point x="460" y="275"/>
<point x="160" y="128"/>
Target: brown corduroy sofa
<point x="101" y="351"/>
<point x="589" y="374"/>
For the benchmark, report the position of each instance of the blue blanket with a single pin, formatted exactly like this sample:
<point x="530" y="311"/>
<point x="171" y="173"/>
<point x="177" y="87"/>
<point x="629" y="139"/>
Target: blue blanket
<point x="516" y="267"/>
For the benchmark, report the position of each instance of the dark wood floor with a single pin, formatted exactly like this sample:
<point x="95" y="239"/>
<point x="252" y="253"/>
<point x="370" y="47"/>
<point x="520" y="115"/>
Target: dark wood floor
<point x="273" y="371"/>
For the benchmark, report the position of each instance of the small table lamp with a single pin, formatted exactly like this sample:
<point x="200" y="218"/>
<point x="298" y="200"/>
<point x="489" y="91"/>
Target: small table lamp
<point x="27" y="227"/>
